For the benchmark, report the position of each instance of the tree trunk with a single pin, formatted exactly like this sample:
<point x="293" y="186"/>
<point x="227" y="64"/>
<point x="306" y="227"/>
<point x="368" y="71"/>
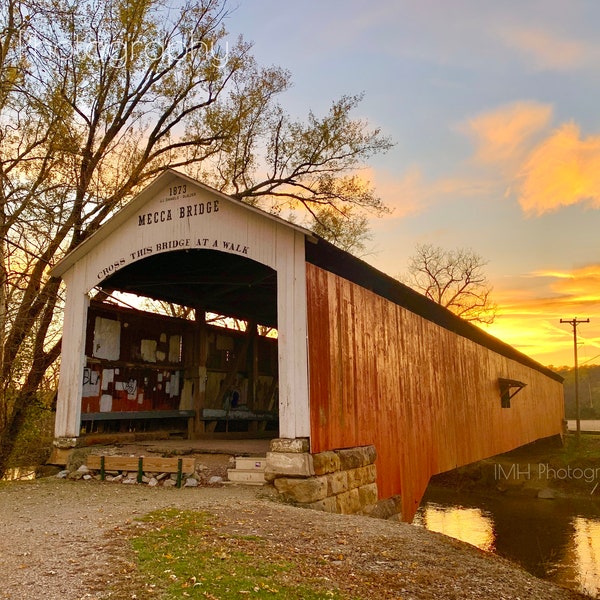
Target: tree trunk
<point x="10" y="433"/>
<point x="3" y="309"/>
<point x="24" y="399"/>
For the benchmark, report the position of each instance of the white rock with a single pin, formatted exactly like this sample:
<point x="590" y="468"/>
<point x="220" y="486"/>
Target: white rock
<point x="153" y="482"/>
<point x="87" y="477"/>
<point x="190" y="482"/>
<point x="215" y="479"/>
<point x="129" y="480"/>
<point x="169" y="483"/>
<point x="83" y="469"/>
<point x="546" y="494"/>
<point x="63" y="474"/>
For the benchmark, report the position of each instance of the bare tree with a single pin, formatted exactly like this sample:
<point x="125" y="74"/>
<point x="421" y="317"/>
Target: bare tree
<point x="98" y="97"/>
<point x="455" y="279"/>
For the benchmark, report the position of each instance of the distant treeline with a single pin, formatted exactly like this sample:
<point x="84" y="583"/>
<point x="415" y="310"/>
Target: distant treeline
<point x="589" y="391"/>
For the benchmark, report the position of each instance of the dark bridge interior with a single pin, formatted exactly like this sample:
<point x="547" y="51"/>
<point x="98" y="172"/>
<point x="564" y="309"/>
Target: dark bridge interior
<point x="219" y="282"/>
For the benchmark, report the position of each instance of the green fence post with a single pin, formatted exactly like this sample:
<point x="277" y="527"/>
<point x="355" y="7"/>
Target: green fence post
<point x="179" y="471"/>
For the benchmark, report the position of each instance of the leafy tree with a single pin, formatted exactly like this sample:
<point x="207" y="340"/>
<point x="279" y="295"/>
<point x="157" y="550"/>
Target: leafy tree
<point x="344" y="227"/>
<point x="455" y="279"/>
<point x="589" y="390"/>
<point x="98" y="97"/>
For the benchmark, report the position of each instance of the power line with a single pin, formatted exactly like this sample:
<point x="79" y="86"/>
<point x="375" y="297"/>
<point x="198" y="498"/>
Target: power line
<point x="574" y="322"/>
<point x="587" y="360"/>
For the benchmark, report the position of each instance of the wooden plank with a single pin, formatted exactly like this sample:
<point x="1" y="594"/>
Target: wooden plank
<point x="70" y="383"/>
<point x="198" y="365"/>
<point x="136" y="415"/>
<point x="294" y="414"/>
<point x="426" y="397"/>
<point x="149" y="464"/>
<point x="221" y="414"/>
<point x="168" y="465"/>
<point x="113" y="463"/>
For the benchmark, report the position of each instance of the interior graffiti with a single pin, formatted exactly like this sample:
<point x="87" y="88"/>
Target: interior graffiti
<point x="146" y="371"/>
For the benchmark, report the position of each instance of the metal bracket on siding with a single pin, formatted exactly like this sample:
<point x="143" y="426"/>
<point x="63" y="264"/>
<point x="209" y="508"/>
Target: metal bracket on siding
<point x="508" y="389"/>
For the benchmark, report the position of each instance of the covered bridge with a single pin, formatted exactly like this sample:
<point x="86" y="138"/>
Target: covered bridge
<point x="359" y="359"/>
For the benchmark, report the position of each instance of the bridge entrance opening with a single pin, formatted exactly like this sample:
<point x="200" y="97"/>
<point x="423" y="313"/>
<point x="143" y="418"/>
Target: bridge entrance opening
<point x="195" y="350"/>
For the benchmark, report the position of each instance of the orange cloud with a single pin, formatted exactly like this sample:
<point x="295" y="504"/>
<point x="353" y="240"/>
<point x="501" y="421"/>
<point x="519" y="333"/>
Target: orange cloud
<point x="530" y="311"/>
<point x="563" y="170"/>
<point x="505" y="134"/>
<point x="546" y="169"/>
<point x="581" y="286"/>
<point x="558" y="291"/>
<point x="545" y="50"/>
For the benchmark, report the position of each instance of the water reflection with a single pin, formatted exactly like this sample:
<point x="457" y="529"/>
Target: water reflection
<point x="556" y="539"/>
<point x="19" y="474"/>
<point x="467" y="524"/>
<point x="586" y="543"/>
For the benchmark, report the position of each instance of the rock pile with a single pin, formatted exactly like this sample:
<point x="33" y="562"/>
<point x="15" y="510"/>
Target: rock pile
<point x="200" y="477"/>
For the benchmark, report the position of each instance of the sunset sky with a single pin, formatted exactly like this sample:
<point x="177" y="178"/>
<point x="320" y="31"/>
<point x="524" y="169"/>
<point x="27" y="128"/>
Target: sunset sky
<point x="495" y="112"/>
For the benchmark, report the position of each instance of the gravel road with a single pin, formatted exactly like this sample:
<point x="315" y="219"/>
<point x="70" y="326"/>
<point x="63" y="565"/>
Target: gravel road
<point x="57" y="542"/>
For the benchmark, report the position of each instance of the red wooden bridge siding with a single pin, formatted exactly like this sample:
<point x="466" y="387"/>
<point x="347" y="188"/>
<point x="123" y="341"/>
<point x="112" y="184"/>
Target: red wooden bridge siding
<point x="426" y="397"/>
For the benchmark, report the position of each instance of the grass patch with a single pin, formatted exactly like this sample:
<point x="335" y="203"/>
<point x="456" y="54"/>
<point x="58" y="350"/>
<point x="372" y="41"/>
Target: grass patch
<point x="180" y="554"/>
<point x="578" y="460"/>
<point x="586" y="450"/>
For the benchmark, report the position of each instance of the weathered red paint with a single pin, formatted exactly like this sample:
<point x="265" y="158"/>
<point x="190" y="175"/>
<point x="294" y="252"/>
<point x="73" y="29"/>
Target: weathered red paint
<point x="426" y="397"/>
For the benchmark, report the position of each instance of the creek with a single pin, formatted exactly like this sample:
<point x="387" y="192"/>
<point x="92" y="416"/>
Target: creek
<point x="557" y="540"/>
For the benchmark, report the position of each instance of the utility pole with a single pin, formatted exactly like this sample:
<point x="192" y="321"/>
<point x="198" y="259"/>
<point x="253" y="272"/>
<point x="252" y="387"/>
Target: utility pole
<point x="574" y="322"/>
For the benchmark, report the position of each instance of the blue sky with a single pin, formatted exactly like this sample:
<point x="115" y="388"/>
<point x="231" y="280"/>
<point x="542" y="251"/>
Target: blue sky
<point x="493" y="108"/>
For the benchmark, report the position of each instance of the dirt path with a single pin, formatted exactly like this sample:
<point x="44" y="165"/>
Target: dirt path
<point x="57" y="542"/>
<point x="55" y="535"/>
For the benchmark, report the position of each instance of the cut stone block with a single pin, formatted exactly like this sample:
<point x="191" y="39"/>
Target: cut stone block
<point x="353" y="458"/>
<point x="368" y="495"/>
<point x="348" y="503"/>
<point x="304" y="491"/>
<point x="60" y="456"/>
<point x="328" y="504"/>
<point x="387" y="508"/>
<point x="290" y="464"/>
<point x="246" y="476"/>
<point x="256" y="463"/>
<point x="361" y="476"/>
<point x="290" y="445"/>
<point x="337" y="483"/>
<point x="326" y="462"/>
